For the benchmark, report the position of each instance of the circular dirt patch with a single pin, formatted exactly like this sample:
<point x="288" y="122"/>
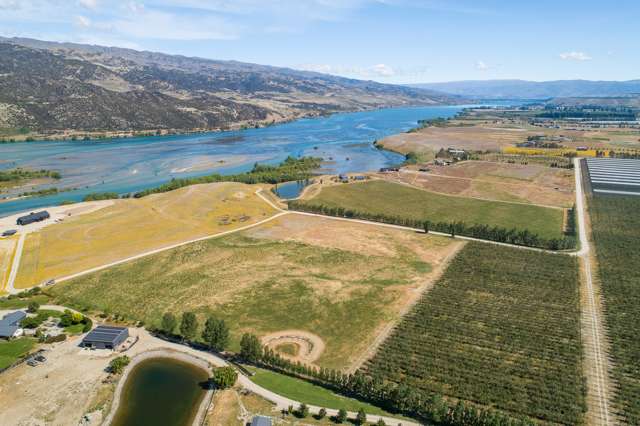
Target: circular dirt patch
<point x="296" y="345"/>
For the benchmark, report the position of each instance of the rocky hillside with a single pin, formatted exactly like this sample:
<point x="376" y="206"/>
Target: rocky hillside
<point x="48" y="87"/>
<point x="521" y="89"/>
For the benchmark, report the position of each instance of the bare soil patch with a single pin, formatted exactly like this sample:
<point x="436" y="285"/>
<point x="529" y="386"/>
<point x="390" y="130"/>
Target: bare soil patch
<point x="310" y="345"/>
<point x="532" y="184"/>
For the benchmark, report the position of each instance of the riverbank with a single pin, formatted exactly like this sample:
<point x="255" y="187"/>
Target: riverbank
<point x="93" y="136"/>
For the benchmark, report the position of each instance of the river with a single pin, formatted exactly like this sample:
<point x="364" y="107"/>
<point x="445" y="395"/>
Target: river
<point x="123" y="166"/>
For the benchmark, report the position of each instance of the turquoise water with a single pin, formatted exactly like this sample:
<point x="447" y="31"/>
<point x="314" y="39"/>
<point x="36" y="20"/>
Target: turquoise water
<point x="161" y="392"/>
<point x="344" y="141"/>
<point x="290" y="190"/>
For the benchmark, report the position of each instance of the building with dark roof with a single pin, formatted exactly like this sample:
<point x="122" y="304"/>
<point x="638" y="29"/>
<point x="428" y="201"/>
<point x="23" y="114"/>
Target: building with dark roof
<point x="105" y="337"/>
<point x="33" y="217"/>
<point x="10" y="324"/>
<point x="261" y="421"/>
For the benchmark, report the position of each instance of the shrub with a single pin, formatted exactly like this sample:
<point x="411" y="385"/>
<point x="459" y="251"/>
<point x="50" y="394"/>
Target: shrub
<point x="88" y="325"/>
<point x="322" y="414"/>
<point x="55" y="339"/>
<point x="117" y="365"/>
<point x="341" y="417"/>
<point x="303" y="410"/>
<point x="224" y="377"/>
<point x="30" y="322"/>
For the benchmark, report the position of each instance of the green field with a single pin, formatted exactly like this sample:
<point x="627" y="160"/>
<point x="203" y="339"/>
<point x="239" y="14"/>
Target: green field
<point x="502" y="329"/>
<point x="616" y="232"/>
<point x="12" y="350"/>
<point x="381" y="197"/>
<point x="260" y="286"/>
<point x="300" y="390"/>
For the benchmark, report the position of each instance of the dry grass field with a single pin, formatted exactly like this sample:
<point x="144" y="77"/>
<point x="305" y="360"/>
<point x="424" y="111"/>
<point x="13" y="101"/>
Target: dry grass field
<point x="133" y="226"/>
<point x="430" y="140"/>
<point x="342" y="282"/>
<point x="531" y="183"/>
<point x="7" y="250"/>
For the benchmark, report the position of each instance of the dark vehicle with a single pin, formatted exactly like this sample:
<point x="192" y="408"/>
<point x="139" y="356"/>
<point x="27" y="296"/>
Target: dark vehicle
<point x="9" y="232"/>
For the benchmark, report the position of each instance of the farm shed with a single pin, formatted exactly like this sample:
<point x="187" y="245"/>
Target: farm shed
<point x="33" y="217"/>
<point x="261" y="421"/>
<point x="10" y="324"/>
<point x="105" y="337"/>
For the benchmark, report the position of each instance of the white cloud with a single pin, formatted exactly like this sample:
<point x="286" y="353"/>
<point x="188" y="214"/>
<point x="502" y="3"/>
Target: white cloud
<point x="9" y="4"/>
<point x="382" y="70"/>
<point x="378" y="71"/>
<point x="82" y="21"/>
<point x="575" y="56"/>
<point x="89" y="4"/>
<point x="167" y="26"/>
<point x="481" y="66"/>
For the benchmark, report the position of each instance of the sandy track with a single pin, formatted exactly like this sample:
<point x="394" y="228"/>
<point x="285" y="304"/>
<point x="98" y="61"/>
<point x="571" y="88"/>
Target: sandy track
<point x="311" y="346"/>
<point x="596" y="364"/>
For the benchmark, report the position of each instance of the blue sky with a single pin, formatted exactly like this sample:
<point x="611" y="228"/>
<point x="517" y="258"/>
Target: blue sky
<point x="392" y="41"/>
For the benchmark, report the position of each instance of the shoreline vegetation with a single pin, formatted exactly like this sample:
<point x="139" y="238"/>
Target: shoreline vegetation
<point x="18" y="174"/>
<point x="291" y="169"/>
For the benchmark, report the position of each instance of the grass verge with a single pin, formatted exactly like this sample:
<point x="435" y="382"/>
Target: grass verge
<point x="13" y="350"/>
<point x="309" y="393"/>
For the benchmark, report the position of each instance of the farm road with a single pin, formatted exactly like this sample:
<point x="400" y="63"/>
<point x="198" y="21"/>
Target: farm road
<point x="594" y="337"/>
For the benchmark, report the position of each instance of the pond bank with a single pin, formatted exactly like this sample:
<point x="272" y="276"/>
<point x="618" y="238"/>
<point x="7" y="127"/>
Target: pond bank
<point x="170" y="356"/>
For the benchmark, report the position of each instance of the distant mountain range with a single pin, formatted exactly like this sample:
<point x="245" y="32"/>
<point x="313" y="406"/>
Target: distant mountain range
<point x="522" y="89"/>
<point x="46" y="86"/>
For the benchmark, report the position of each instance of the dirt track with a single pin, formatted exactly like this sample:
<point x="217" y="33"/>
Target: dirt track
<point x="310" y="345"/>
<point x="596" y="364"/>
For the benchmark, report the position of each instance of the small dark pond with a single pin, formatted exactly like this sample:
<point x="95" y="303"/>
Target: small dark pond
<point x="161" y="391"/>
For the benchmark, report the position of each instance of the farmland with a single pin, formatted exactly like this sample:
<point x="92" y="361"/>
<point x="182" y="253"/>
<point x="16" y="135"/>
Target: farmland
<point x="506" y="335"/>
<point x="499" y="129"/>
<point x="616" y="234"/>
<point x="290" y="273"/>
<point x="381" y="197"/>
<point x="133" y="226"/>
<point x="522" y="183"/>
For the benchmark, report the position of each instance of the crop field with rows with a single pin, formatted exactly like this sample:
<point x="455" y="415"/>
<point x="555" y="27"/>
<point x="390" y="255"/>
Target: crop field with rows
<point x="501" y="328"/>
<point x="616" y="233"/>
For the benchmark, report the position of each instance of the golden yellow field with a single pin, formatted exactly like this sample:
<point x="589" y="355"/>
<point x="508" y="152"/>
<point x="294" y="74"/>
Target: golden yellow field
<point x="7" y="250"/>
<point x="133" y="226"/>
<point x="554" y="152"/>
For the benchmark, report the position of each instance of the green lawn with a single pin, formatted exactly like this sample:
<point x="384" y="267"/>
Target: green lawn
<point x="381" y="197"/>
<point x="309" y="393"/>
<point x="12" y="350"/>
<point x="22" y="303"/>
<point x="74" y="329"/>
